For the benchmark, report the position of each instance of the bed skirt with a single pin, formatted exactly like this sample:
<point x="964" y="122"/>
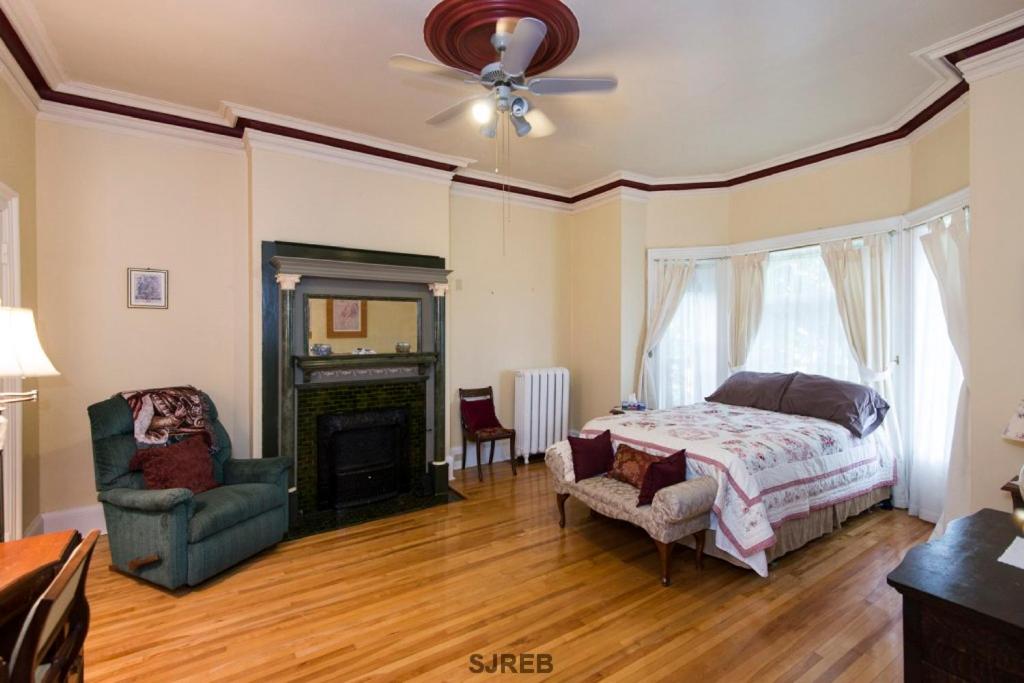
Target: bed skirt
<point x="796" y="533"/>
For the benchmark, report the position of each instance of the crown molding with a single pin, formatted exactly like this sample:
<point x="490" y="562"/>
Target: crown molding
<point x="17" y="83"/>
<point x="233" y="113"/>
<point x="34" y="65"/>
<point x="462" y="189"/>
<point x="91" y="118"/>
<point x="1010" y="56"/>
<point x="26" y="21"/>
<point x="255" y="139"/>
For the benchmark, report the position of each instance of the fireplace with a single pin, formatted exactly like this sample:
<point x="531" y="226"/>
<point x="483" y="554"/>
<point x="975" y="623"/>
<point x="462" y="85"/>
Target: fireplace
<point x="362" y="457"/>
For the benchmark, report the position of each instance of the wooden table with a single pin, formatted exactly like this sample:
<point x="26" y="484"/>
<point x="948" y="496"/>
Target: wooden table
<point x="26" y="568"/>
<point x="963" y="610"/>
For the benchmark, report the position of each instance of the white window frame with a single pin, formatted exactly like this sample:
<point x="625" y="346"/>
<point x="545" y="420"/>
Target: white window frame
<point x="10" y="295"/>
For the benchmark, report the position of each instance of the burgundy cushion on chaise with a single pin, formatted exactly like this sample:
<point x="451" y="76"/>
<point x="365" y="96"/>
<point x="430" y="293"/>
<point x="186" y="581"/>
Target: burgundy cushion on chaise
<point x="762" y="390"/>
<point x="631" y="465"/>
<point x="479" y="414"/>
<point x="854" y="406"/>
<point x="183" y="465"/>
<point x="661" y="473"/>
<point x="591" y="457"/>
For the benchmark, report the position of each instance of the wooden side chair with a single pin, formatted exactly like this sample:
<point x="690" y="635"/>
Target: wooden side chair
<point x="480" y="425"/>
<point x="49" y="647"/>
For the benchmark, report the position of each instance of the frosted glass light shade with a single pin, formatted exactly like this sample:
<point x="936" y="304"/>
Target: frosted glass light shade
<point x="21" y="354"/>
<point x="1015" y="427"/>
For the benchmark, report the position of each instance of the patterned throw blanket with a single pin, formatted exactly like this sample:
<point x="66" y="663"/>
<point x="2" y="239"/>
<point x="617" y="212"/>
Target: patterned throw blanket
<point x="169" y="413"/>
<point x="770" y="467"/>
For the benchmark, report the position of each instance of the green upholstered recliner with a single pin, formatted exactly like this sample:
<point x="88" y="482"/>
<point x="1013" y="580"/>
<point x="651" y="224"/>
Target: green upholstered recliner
<point x="194" y="536"/>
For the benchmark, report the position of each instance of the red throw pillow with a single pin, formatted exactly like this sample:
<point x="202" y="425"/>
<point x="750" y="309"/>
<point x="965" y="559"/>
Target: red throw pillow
<point x="479" y="414"/>
<point x="183" y="465"/>
<point x="631" y="465"/>
<point x="661" y="473"/>
<point x="591" y="457"/>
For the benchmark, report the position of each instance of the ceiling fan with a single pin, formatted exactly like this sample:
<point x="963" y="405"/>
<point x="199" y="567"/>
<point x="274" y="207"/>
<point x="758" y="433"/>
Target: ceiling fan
<point x="516" y="42"/>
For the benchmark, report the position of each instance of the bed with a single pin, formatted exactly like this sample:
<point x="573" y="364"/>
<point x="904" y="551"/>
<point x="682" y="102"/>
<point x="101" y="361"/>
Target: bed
<point x="783" y="479"/>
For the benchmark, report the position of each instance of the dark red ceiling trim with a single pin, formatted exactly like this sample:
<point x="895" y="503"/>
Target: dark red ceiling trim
<point x="987" y="45"/>
<point x="467" y="180"/>
<point x="21" y="55"/>
<point x="299" y="134"/>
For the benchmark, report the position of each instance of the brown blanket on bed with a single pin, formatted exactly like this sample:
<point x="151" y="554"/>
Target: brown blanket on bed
<point x="169" y="413"/>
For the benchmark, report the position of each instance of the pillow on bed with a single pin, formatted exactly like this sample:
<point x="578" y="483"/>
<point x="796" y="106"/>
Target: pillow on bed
<point x="591" y="457"/>
<point x="762" y="390"/>
<point x="661" y="473"/>
<point x="631" y="465"/>
<point x="854" y="406"/>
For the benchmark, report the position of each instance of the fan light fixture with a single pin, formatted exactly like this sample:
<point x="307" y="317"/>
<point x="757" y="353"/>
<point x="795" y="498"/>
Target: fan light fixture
<point x="483" y="111"/>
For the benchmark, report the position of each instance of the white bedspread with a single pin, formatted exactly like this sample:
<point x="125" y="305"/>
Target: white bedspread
<point x="771" y="467"/>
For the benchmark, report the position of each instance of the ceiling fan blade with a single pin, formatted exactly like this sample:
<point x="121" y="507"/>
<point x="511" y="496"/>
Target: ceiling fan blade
<point x="561" y="86"/>
<point x="541" y="125"/>
<point x="523" y="45"/>
<point x="446" y="115"/>
<point x="427" y="68"/>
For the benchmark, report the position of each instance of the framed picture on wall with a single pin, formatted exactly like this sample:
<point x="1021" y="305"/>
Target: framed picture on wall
<point x="346" y="318"/>
<point x="147" y="288"/>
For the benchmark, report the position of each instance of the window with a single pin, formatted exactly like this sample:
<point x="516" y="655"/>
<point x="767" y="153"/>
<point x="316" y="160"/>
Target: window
<point x="800" y="327"/>
<point x="688" y="361"/>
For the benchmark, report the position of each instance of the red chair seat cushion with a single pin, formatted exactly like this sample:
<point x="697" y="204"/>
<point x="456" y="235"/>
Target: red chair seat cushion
<point x="183" y="465"/>
<point x="479" y="414"/>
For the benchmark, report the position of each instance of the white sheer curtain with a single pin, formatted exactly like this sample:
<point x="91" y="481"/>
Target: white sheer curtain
<point x="687" y="361"/>
<point x="931" y="391"/>
<point x="667" y="283"/>
<point x="748" y="272"/>
<point x="945" y="245"/>
<point x="861" y="276"/>
<point x="800" y="326"/>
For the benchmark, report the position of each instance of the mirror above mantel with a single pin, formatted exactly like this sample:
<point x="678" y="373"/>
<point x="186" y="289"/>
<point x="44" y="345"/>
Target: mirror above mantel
<point x="343" y="326"/>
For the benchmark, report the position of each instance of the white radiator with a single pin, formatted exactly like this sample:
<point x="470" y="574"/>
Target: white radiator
<point x="542" y="409"/>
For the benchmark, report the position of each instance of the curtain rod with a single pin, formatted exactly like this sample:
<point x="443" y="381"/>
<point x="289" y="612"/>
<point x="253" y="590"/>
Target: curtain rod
<point x="778" y="250"/>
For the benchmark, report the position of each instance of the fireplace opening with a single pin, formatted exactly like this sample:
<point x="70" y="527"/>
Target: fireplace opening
<point x="362" y="457"/>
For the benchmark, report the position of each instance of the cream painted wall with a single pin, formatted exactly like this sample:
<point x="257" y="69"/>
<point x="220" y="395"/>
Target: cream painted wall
<point x="688" y="219"/>
<point x="595" y="310"/>
<point x="18" y="173"/>
<point x="107" y="201"/>
<point x="940" y="161"/>
<point x="873" y="184"/>
<point x="633" y="263"/>
<point x="996" y="294"/>
<point x="509" y="309"/>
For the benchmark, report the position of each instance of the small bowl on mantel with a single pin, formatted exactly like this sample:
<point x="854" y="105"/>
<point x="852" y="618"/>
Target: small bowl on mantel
<point x="402" y="347"/>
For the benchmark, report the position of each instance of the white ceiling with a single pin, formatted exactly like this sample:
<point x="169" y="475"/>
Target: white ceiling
<point x="706" y="86"/>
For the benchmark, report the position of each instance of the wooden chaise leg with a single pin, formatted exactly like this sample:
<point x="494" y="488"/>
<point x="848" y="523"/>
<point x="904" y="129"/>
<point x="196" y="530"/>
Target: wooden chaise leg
<point x="699" y="548"/>
<point x="560" y="497"/>
<point x="665" y="554"/>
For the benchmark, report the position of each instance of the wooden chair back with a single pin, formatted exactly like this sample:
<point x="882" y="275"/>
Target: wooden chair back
<point x="55" y="629"/>
<point x="480" y="394"/>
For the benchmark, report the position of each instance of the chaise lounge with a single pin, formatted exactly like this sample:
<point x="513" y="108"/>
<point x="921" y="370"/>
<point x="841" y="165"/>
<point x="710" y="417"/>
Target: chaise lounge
<point x="677" y="511"/>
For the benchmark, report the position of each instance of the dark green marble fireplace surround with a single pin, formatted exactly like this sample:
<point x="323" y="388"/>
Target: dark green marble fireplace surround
<point x="327" y="399"/>
<point x="297" y="388"/>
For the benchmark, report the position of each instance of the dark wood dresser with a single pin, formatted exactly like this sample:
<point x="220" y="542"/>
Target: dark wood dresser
<point x="963" y="610"/>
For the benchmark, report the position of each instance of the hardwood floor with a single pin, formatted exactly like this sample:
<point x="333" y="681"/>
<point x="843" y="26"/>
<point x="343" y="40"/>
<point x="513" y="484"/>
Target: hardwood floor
<point x="412" y="597"/>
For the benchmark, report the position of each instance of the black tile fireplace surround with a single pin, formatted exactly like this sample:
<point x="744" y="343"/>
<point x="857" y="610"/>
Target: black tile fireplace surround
<point x="362" y="457"/>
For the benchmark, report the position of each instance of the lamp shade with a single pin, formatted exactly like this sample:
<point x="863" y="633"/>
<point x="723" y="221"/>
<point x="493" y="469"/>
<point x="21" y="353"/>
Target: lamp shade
<point x="21" y="354"/>
<point x="1015" y="427"/>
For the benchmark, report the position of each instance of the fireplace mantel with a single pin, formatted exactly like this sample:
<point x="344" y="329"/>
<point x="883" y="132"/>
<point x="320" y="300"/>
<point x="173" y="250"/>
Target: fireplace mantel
<point x="293" y="270"/>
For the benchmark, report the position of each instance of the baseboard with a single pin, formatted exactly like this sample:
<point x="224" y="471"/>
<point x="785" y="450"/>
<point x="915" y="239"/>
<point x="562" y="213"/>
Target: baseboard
<point x="85" y="519"/>
<point x="500" y="455"/>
